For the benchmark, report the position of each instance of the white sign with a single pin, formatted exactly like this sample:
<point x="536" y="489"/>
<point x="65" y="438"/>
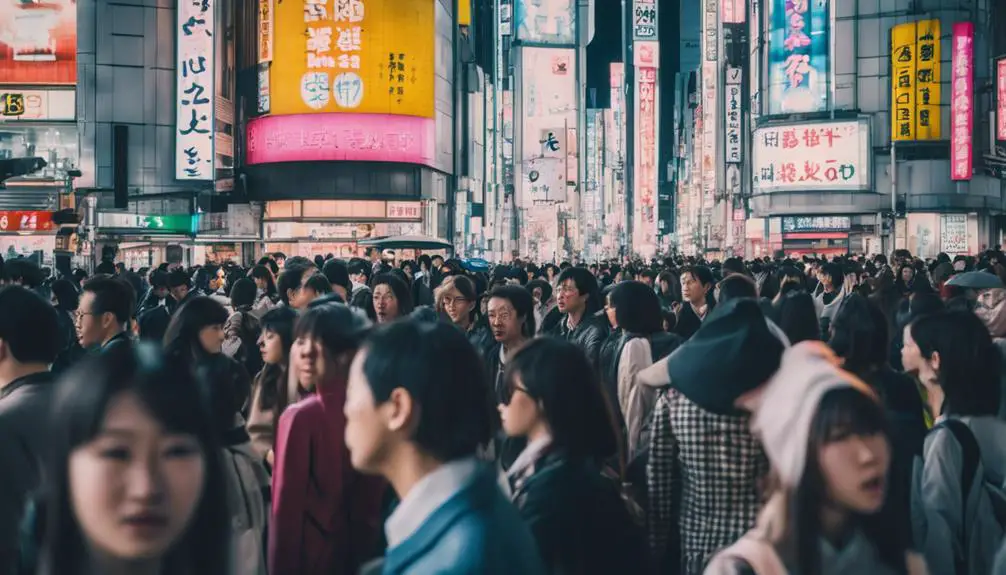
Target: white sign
<point x="195" y="87"/>
<point x="644" y="20"/>
<point x="822" y="156"/>
<point x="734" y="153"/>
<point x="404" y="211"/>
<point x="58" y="105"/>
<point x="954" y="234"/>
<point x="264" y="101"/>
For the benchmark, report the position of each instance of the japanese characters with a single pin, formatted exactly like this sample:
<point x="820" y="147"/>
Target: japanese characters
<point x="195" y="85"/>
<point x="820" y="156"/>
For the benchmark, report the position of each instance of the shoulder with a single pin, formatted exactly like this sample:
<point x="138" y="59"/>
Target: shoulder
<point x="302" y="412"/>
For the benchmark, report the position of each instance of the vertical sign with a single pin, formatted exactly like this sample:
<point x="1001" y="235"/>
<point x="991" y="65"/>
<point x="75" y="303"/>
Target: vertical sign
<point x="711" y="32"/>
<point x="799" y="55"/>
<point x="710" y="73"/>
<point x="733" y="11"/>
<point x="754" y="62"/>
<point x="961" y="101"/>
<point x="265" y="31"/>
<point x="644" y="20"/>
<point x="903" y="82"/>
<point x="194" y="90"/>
<point x="646" y="55"/>
<point x="734" y="152"/>
<point x="1001" y="99"/>
<point x="927" y="80"/>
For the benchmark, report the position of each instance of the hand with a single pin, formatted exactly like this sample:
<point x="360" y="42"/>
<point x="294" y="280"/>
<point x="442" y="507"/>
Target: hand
<point x="269" y="457"/>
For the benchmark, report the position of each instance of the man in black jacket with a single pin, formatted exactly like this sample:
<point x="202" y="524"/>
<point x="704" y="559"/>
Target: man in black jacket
<point x="578" y="301"/>
<point x="29" y="343"/>
<point x="104" y="312"/>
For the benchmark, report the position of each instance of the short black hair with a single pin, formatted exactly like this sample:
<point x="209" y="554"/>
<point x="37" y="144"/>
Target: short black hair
<point x="319" y="283"/>
<point x="446" y="378"/>
<point x="337" y="273"/>
<point x="737" y="285"/>
<point x="23" y="271"/>
<point x="29" y="325"/>
<point x="177" y="278"/>
<point x="111" y="295"/>
<point x="243" y="293"/>
<point x="637" y="308"/>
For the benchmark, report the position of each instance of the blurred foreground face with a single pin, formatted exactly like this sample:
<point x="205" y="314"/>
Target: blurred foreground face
<point x="368" y="434"/>
<point x="135" y="487"/>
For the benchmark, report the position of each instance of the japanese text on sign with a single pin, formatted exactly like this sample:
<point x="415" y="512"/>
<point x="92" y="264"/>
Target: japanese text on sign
<point x="733" y="115"/>
<point x="816" y="224"/>
<point x="799" y="55"/>
<point x="961" y="104"/>
<point x="710" y="73"/>
<point x="195" y="85"/>
<point x="954" y="234"/>
<point x="404" y="210"/>
<point x="1001" y="99"/>
<point x="265" y="31"/>
<point x="915" y="83"/>
<point x="644" y="20"/>
<point x="903" y="82"/>
<point x="646" y="159"/>
<point x="820" y="156"/>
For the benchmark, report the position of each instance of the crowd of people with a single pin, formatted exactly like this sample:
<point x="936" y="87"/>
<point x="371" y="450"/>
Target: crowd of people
<point x="802" y="416"/>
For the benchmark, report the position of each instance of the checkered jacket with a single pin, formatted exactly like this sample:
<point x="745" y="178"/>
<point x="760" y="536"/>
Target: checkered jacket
<point x="716" y="465"/>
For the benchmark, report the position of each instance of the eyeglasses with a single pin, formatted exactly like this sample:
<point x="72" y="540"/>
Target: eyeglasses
<point x="510" y="390"/>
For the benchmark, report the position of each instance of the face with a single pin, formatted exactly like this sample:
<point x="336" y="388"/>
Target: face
<point x="315" y="364"/>
<point x="91" y="328"/>
<point x="907" y="274"/>
<point x="212" y="338"/>
<point x="665" y="286"/>
<point x="609" y="311"/>
<point x="522" y="413"/>
<point x="457" y="306"/>
<point x="135" y="486"/>
<point x="855" y="471"/>
<point x="271" y="346"/>
<point x="570" y="300"/>
<point x="161" y="292"/>
<point x="503" y="320"/>
<point x="914" y="362"/>
<point x="692" y="289"/>
<point x="260" y="283"/>
<point x="179" y="292"/>
<point x="367" y="431"/>
<point x="300" y="297"/>
<point x="385" y="304"/>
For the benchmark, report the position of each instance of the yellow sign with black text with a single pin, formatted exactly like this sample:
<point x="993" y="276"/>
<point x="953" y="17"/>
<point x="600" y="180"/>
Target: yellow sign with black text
<point x="915" y="81"/>
<point x="359" y="56"/>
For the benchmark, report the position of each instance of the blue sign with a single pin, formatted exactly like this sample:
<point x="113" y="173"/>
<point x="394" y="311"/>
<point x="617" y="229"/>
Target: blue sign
<point x="799" y="54"/>
<point x="545" y="22"/>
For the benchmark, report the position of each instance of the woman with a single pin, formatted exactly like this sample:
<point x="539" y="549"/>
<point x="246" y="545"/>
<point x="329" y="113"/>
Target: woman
<point x="511" y="319"/>
<point x="696" y="293"/>
<point x="554" y="400"/>
<point x="135" y="484"/>
<point x="419" y="426"/>
<point x="324" y="515"/>
<point x="825" y="434"/>
<point x="270" y="394"/>
<point x="266" y="295"/>
<point x="460" y="303"/>
<point x="960" y="368"/>
<point x="242" y="329"/>
<point x="391" y="298"/>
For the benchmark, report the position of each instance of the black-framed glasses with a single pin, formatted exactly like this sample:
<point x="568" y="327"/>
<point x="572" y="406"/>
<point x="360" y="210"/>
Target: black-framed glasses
<point x="508" y="392"/>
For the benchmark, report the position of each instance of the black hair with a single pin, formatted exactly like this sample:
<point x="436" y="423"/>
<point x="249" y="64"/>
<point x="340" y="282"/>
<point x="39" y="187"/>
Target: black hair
<point x="736" y="285"/>
<point x="169" y="392"/>
<point x="856" y="337"/>
<point x="158" y="279"/>
<point x="842" y="413"/>
<point x="181" y="340"/>
<point x="243" y="293"/>
<point x="319" y="284"/>
<point x="557" y="374"/>
<point x="272" y="395"/>
<point x="399" y="288"/>
<point x="446" y="378"/>
<point x="66" y="294"/>
<point x="337" y="273"/>
<point x="337" y="327"/>
<point x="797" y="317"/>
<point x="544" y="286"/>
<point x="522" y="303"/>
<point x="292" y="278"/>
<point x="637" y="308"/>
<point x="29" y="326"/>
<point x="970" y="363"/>
<point x="111" y="295"/>
<point x="178" y="277"/>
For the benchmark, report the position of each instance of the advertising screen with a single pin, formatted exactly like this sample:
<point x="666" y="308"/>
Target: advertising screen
<point x="962" y="101"/>
<point x="821" y="156"/>
<point x="38" y="42"/>
<point x="799" y="54"/>
<point x="551" y="22"/>
<point x="915" y="84"/>
<point x="549" y="110"/>
<point x="360" y="56"/>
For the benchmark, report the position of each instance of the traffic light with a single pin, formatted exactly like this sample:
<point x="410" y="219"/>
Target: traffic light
<point x="14" y="167"/>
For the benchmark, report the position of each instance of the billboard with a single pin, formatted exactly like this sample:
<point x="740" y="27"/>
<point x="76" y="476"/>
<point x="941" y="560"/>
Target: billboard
<point x="341" y="137"/>
<point x="734" y="148"/>
<point x="549" y="110"/>
<point x="644" y="20"/>
<point x="195" y="87"/>
<point x="364" y="57"/>
<point x="646" y="138"/>
<point x="52" y="105"/>
<point x="915" y="81"/>
<point x="548" y="22"/>
<point x="38" y="43"/>
<point x="733" y="11"/>
<point x="821" y="156"/>
<point x="265" y="31"/>
<point x="1001" y="99"/>
<point x="799" y="55"/>
<point x="961" y="100"/>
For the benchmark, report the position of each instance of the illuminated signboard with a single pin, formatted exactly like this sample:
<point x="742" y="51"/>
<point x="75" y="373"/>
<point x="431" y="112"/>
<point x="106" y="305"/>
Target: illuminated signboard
<point x="962" y="100"/>
<point x="195" y="84"/>
<point x="824" y="156"/>
<point x="799" y="49"/>
<point x="22" y="222"/>
<point x="38" y="42"/>
<point x="55" y="105"/>
<point x="915" y="82"/>
<point x="549" y="22"/>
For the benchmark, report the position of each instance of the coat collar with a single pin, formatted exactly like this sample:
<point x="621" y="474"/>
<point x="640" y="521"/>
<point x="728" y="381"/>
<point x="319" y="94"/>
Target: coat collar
<point x="41" y="377"/>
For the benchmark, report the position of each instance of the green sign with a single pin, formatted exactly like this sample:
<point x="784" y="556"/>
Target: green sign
<point x="169" y="224"/>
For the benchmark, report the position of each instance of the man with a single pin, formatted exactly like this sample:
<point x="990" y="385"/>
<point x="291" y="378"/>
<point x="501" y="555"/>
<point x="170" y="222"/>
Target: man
<point x="29" y="343"/>
<point x="579" y="301"/>
<point x="154" y="314"/>
<point x="22" y="272"/>
<point x="104" y="312"/>
<point x="359" y="275"/>
<point x="180" y="287"/>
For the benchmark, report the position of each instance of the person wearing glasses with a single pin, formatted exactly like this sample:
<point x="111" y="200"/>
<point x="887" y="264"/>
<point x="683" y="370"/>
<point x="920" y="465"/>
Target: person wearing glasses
<point x="104" y="312"/>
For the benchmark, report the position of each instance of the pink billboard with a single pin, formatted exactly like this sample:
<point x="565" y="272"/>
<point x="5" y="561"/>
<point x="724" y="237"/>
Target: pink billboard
<point x="1001" y="99"/>
<point x="341" y="137"/>
<point x="962" y="101"/>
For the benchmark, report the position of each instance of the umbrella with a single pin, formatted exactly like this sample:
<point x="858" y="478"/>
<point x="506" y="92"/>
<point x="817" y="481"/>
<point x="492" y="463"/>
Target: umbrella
<point x="975" y="280"/>
<point x="407" y="242"/>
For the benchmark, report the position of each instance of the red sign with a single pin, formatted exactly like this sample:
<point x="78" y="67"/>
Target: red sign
<point x="962" y="100"/>
<point x="1001" y="99"/>
<point x="38" y="42"/>
<point x="26" y="222"/>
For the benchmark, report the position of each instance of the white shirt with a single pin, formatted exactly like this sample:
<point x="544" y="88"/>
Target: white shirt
<point x="426" y="496"/>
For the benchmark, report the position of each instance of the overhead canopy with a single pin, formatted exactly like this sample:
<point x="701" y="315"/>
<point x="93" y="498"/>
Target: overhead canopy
<point x="407" y="242"/>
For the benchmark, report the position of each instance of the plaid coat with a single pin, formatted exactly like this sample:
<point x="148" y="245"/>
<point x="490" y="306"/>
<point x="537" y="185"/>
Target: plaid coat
<point x="703" y="479"/>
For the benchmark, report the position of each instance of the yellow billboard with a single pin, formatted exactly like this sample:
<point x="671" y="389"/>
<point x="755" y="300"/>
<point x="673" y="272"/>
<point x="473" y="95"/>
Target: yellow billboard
<point x="359" y="56"/>
<point x="903" y="82"/>
<point x="915" y="81"/>
<point x="927" y="80"/>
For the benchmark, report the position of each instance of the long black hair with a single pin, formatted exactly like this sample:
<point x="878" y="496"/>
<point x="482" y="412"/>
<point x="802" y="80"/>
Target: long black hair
<point x="170" y="393"/>
<point x="181" y="340"/>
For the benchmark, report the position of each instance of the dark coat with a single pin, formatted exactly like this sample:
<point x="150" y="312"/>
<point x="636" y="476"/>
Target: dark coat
<point x="589" y="334"/>
<point x="579" y="520"/>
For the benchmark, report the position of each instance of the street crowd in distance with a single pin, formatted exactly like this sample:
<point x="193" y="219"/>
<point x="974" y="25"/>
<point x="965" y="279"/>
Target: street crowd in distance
<point x="777" y="416"/>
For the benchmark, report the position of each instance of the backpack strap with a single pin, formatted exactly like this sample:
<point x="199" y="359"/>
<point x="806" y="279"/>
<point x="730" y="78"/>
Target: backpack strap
<point x="759" y="554"/>
<point x="970" y="450"/>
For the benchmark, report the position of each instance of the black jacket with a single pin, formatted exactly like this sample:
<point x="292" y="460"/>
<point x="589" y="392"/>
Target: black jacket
<point x="589" y="334"/>
<point x="578" y="518"/>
